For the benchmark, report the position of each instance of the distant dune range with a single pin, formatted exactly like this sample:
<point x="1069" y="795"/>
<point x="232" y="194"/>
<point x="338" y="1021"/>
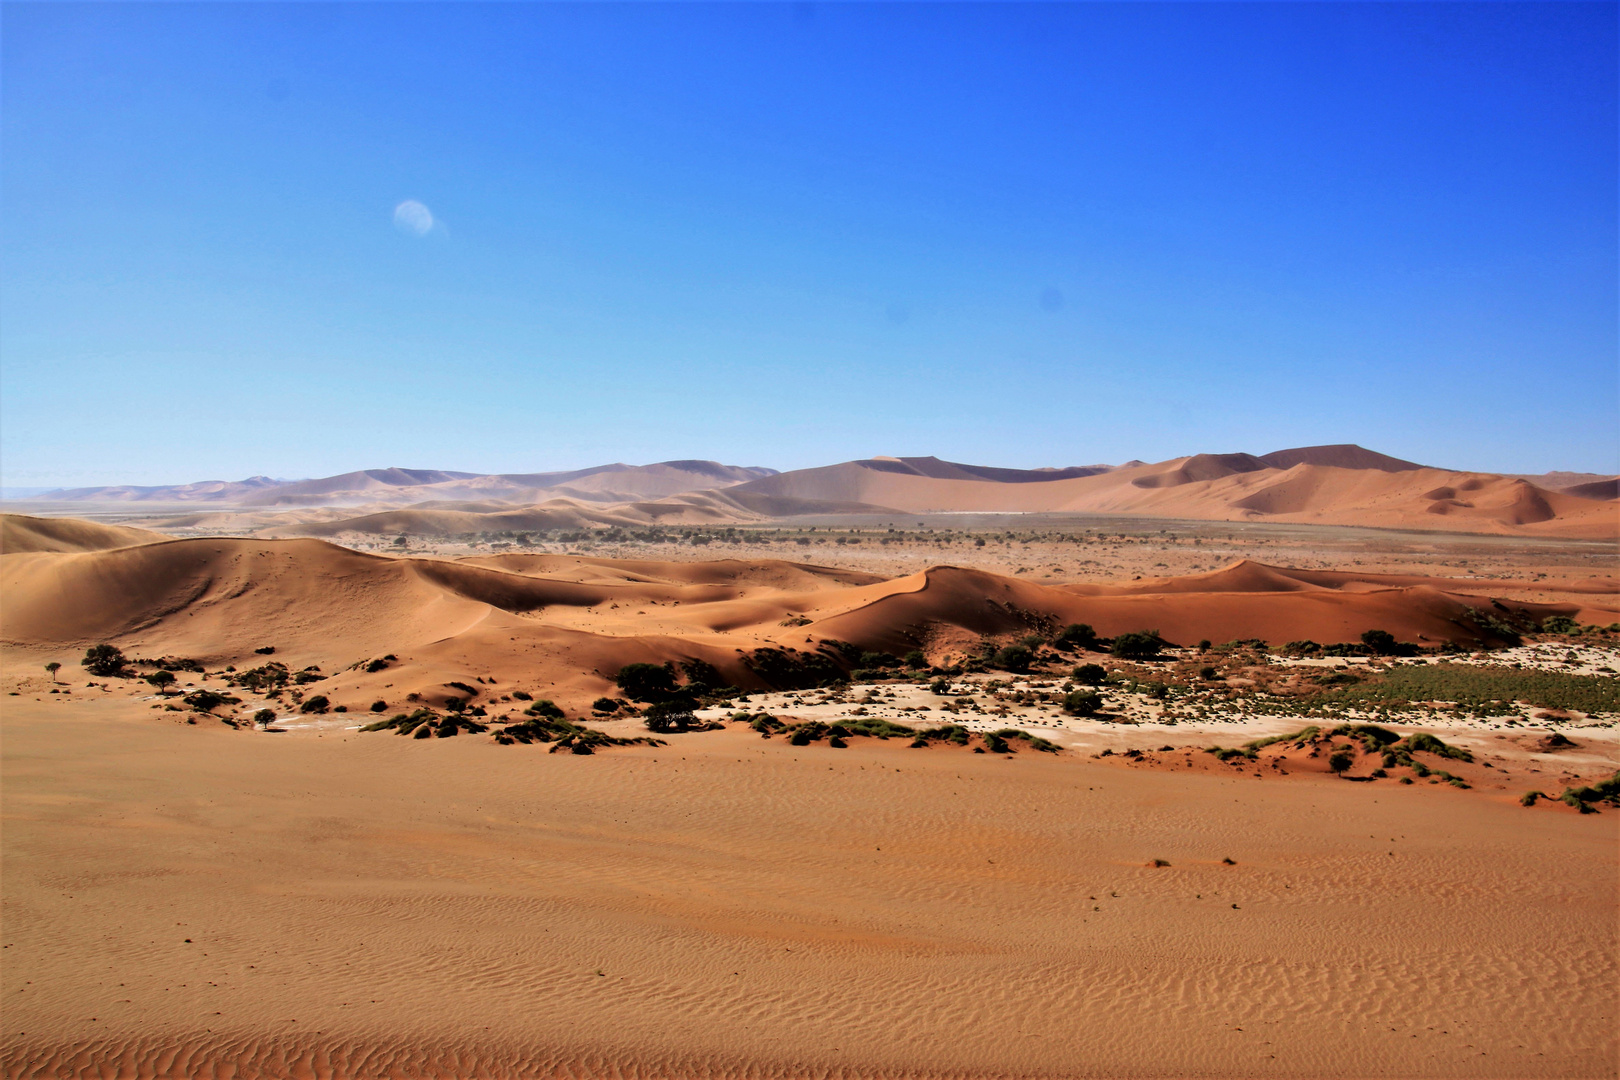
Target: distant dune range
<point x="564" y="624"/>
<point x="1326" y="485"/>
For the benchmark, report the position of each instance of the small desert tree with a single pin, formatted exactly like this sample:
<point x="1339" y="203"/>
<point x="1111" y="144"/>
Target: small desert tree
<point x="162" y="680"/>
<point x="1078" y="636"/>
<point x="1340" y="760"/>
<point x="1016" y="658"/>
<point x="1089" y="674"/>
<point x="1082" y="702"/>
<point x="1138" y="645"/>
<point x="1381" y="642"/>
<point x="53" y="667"/>
<point x="647" y="682"/>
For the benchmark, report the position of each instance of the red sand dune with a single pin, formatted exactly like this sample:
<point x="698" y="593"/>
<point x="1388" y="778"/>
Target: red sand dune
<point x="568" y="623"/>
<point x="21" y="533"/>
<point x="1230" y="487"/>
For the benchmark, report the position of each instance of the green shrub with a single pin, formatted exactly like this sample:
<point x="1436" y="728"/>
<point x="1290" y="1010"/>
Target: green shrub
<point x="1089" y="675"/>
<point x="1559" y="624"/>
<point x="1082" y="702"/>
<point x="788" y="669"/>
<point x="379" y="706"/>
<point x="1340" y="760"/>
<point x="1138" y="645"/>
<point x="316" y="704"/>
<point x="208" y="700"/>
<point x="1380" y="642"/>
<point x="1035" y="741"/>
<point x="646" y="682"/>
<point x="1016" y="658"/>
<point x="916" y="658"/>
<point x="1299" y="736"/>
<point x="952" y="733"/>
<point x="1373" y="738"/>
<point x="701" y="675"/>
<point x="1077" y="636"/>
<point x="665" y="717"/>
<point x="1423" y="741"/>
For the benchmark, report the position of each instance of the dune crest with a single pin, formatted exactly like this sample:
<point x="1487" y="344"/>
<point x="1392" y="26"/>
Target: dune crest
<point x="21" y="533"/>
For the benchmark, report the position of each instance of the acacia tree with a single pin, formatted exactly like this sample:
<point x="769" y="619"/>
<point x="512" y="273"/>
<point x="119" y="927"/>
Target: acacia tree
<point x="53" y="667"/>
<point x="162" y="680"/>
<point x="104" y="660"/>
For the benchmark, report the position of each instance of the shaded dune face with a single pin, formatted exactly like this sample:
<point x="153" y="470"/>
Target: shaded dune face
<point x="572" y="621"/>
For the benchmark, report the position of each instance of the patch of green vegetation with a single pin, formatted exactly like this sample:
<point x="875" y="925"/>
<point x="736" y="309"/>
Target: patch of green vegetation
<point x="208" y="700"/>
<point x="1480" y="690"/>
<point x="875" y="727"/>
<point x="1374" y="738"/>
<point x="1582" y="797"/>
<point x="425" y="723"/>
<point x="1300" y="736"/>
<point x="1422" y="741"/>
<point x="789" y="669"/>
<point x="1223" y="753"/>
<point x="1035" y="741"/>
<point x="1138" y="645"/>
<point x="566" y="735"/>
<point x="1082" y="702"/>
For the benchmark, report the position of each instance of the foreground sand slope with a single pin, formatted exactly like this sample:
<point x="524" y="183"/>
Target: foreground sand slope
<point x="186" y="901"/>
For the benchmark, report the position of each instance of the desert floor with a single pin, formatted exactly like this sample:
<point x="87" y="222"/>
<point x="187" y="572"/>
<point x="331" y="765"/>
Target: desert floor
<point x="1058" y="549"/>
<point x="187" y="900"/>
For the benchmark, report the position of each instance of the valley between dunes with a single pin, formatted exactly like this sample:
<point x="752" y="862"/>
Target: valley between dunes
<point x="187" y="898"/>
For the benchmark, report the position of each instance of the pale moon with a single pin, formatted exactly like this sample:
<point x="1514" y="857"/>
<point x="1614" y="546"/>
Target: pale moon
<point x="412" y="217"/>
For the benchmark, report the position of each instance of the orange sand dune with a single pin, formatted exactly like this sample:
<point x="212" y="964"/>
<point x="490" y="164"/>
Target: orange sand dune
<point x="565" y="624"/>
<point x="20" y="533"/>
<point x="1233" y="487"/>
<point x="1214" y="487"/>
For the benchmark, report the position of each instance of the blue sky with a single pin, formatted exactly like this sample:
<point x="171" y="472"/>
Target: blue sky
<point x="790" y="235"/>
